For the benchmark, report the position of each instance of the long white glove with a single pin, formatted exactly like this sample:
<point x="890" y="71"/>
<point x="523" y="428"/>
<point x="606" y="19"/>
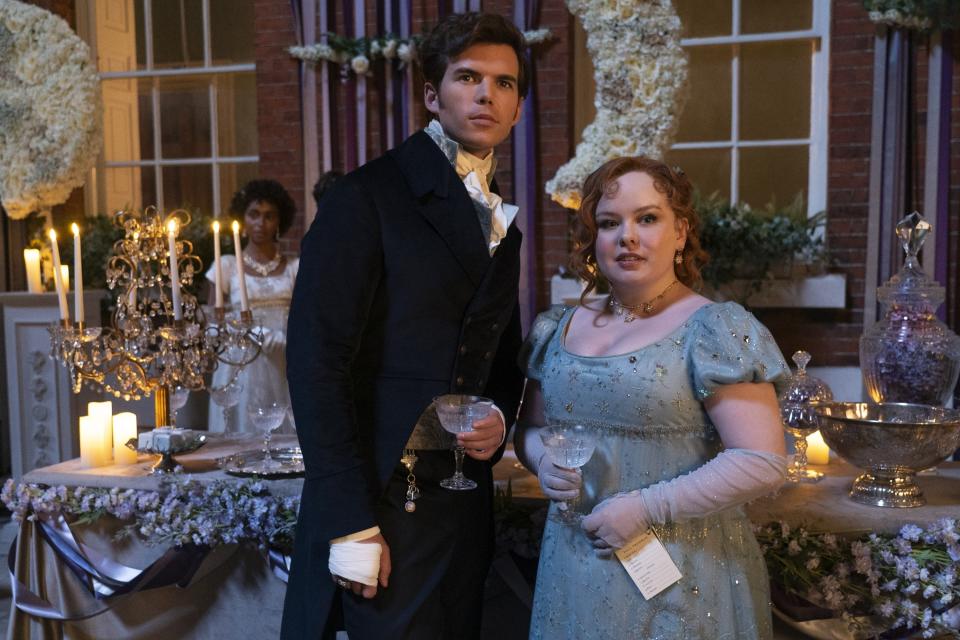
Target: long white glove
<point x="274" y="340"/>
<point x="558" y="483"/>
<point x="734" y="477"/>
<point x="355" y="561"/>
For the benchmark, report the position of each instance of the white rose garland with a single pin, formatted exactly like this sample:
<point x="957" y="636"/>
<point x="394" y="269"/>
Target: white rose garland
<point x="640" y="72"/>
<point x="50" y="112"/>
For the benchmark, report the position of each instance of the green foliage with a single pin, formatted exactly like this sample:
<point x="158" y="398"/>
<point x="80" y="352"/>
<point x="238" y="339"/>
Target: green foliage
<point x="744" y="243"/>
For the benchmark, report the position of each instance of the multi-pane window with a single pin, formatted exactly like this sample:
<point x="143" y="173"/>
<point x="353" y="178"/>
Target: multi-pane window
<point x="754" y="128"/>
<point x="180" y="104"/>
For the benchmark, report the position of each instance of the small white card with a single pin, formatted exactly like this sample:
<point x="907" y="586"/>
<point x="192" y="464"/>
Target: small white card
<point x="649" y="564"/>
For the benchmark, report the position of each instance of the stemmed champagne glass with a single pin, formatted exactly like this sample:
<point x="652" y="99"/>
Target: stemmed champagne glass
<point x="227" y="397"/>
<point x="178" y="397"/>
<point x="569" y="447"/>
<point x="457" y="413"/>
<point x="267" y="416"/>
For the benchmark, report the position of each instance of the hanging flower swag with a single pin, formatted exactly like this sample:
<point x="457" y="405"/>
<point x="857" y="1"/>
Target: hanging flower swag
<point x="918" y="15"/>
<point x="357" y="54"/>
<point x="50" y="124"/>
<point x="905" y="581"/>
<point x="182" y="512"/>
<point x="640" y="73"/>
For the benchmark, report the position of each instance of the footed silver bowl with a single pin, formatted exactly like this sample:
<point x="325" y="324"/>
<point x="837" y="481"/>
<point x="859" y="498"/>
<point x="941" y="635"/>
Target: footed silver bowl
<point x="891" y="442"/>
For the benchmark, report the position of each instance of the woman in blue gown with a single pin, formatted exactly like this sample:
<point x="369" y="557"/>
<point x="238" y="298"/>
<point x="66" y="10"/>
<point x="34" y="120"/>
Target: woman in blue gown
<point x="678" y="390"/>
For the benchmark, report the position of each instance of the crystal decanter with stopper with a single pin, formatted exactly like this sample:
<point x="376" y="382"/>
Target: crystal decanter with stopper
<point x="799" y="419"/>
<point x="910" y="355"/>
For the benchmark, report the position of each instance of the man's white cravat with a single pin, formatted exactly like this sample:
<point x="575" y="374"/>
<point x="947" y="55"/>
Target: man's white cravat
<point x="477" y="174"/>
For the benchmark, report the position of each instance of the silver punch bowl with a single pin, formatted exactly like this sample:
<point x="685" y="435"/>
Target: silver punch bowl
<point x="891" y="442"/>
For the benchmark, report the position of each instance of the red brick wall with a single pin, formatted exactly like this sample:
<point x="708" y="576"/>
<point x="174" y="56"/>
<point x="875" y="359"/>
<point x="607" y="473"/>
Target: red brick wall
<point x="279" y="128"/>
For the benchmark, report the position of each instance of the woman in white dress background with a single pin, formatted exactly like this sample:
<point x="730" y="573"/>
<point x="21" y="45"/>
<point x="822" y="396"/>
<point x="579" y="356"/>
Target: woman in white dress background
<point x="266" y="211"/>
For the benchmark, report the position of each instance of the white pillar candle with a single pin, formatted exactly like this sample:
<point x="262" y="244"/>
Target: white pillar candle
<point x="77" y="274"/>
<point x="93" y="453"/>
<point x="102" y="413"/>
<point x="31" y="260"/>
<point x="124" y="428"/>
<point x="65" y="277"/>
<point x="217" y="269"/>
<point x="174" y="271"/>
<point x="58" y="276"/>
<point x="244" y="304"/>
<point x="817" y="450"/>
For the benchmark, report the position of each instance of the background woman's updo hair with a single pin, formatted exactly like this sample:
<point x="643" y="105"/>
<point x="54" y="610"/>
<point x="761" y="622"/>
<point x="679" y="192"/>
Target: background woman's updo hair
<point x="267" y="191"/>
<point x="676" y="188"/>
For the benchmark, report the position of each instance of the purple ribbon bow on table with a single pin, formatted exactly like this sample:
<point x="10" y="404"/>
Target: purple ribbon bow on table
<point x="102" y="577"/>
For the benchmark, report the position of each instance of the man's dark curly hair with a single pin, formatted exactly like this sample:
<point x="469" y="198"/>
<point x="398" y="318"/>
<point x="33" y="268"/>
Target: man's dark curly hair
<point x="459" y="31"/>
<point x="266" y="191"/>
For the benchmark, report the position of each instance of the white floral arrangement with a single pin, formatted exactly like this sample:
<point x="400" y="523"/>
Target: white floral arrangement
<point x="358" y="54"/>
<point x="917" y="15"/>
<point x="640" y="72"/>
<point x="50" y="124"/>
<point x="907" y="581"/>
<point x="182" y="512"/>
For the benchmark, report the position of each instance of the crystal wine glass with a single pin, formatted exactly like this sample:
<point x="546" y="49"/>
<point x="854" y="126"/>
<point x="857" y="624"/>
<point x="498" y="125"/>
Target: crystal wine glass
<point x="227" y="397"/>
<point x="267" y="416"/>
<point x="569" y="447"/>
<point x="457" y="413"/>
<point x="178" y="398"/>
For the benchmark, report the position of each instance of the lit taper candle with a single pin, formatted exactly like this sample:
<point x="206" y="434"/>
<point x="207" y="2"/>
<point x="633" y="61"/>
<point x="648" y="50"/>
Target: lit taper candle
<point x="244" y="304"/>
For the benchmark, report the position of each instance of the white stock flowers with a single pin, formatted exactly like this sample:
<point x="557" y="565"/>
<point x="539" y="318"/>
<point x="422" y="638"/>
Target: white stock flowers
<point x="640" y="72"/>
<point x="50" y="124"/>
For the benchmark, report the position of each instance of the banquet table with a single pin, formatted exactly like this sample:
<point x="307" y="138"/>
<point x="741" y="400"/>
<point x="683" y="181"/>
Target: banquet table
<point x="233" y="595"/>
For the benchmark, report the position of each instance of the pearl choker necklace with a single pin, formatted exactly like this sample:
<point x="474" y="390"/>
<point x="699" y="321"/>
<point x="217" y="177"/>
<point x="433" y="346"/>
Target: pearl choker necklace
<point x="263" y="268"/>
<point x="629" y="313"/>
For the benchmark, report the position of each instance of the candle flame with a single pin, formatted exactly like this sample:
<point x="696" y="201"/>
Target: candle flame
<point x="75" y="228"/>
<point x="236" y="226"/>
<point x="172" y="227"/>
<point x="53" y="235"/>
<point x="216" y="226"/>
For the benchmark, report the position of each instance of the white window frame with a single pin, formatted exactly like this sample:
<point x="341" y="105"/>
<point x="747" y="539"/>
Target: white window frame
<point x="819" y="33"/>
<point x="214" y="160"/>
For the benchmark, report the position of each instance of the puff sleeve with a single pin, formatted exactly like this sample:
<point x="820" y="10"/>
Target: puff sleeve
<point x="729" y="346"/>
<point x="533" y="353"/>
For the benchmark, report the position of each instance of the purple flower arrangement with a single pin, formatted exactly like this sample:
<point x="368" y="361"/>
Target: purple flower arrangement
<point x="908" y="580"/>
<point x="182" y="512"/>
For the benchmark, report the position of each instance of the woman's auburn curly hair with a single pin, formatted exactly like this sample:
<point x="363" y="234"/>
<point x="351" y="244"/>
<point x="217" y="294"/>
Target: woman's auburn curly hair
<point x="672" y="183"/>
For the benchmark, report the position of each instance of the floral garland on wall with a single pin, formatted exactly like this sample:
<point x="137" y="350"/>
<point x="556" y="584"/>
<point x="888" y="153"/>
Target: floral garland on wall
<point x="358" y="54"/>
<point x="182" y="512"/>
<point x="50" y="124"/>
<point x="640" y="72"/>
<point x="909" y="580"/>
<point x="919" y="15"/>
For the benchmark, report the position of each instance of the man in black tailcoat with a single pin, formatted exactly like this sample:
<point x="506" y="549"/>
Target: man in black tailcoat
<point x="407" y="290"/>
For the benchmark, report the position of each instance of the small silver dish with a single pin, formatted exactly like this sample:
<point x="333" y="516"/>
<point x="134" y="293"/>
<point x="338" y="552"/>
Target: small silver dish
<point x="167" y="463"/>
<point x="247" y="463"/>
<point x="891" y="442"/>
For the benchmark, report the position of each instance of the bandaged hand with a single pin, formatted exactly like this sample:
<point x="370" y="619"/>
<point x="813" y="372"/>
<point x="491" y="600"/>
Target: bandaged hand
<point x="360" y="565"/>
<point x="734" y="477"/>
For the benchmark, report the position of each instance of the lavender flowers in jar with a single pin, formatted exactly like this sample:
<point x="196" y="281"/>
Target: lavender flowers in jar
<point x="910" y="355"/>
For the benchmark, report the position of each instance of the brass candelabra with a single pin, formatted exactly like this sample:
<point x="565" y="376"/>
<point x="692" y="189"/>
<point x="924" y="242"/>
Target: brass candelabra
<point x="159" y="337"/>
